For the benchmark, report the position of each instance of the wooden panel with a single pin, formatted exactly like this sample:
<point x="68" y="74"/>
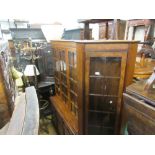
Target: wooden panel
<point x="65" y="114"/>
<point x="139" y="117"/>
<point x="139" y="105"/>
<point x="31" y="123"/>
<point x="106" y="47"/>
<point x="137" y="90"/>
<point x="139" y="22"/>
<point x="130" y="64"/>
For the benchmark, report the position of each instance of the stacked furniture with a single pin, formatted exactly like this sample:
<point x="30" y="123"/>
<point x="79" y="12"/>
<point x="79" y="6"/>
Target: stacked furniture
<point x="7" y="85"/>
<point x="90" y="77"/>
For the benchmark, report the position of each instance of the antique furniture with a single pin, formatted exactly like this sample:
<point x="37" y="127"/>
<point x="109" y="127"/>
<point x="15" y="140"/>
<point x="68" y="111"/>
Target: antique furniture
<point x="143" y="67"/>
<point x="89" y="80"/>
<point x="143" y="30"/>
<point x="46" y="88"/>
<point x="25" y="117"/>
<point x="135" y="25"/>
<point x="108" y="28"/>
<point x="139" y="108"/>
<point x="75" y="34"/>
<point x="7" y="85"/>
<point x="45" y="63"/>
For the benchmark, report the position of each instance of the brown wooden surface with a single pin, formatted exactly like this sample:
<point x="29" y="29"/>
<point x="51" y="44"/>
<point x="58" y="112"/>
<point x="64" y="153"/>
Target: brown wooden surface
<point x="137" y="90"/>
<point x="86" y="31"/>
<point x="65" y="114"/>
<point x="130" y="66"/>
<point x="94" y="20"/>
<point x="71" y="43"/>
<point x="112" y="30"/>
<point x="108" y="28"/>
<point x="139" y="116"/>
<point x="147" y="23"/>
<point x="81" y="90"/>
<point x="144" y="68"/>
<point x="139" y="22"/>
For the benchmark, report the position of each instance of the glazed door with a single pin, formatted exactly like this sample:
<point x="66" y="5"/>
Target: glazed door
<point x="103" y="89"/>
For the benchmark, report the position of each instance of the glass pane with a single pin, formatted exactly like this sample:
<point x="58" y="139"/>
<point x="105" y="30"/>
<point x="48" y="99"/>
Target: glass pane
<point x="104" y="80"/>
<point x="64" y="79"/>
<point x="73" y="86"/>
<point x="99" y="130"/>
<point x="64" y="90"/>
<point x="112" y="87"/>
<point x="53" y="53"/>
<point x="73" y="98"/>
<point x="74" y="109"/>
<point x="72" y="65"/>
<point x="97" y="85"/>
<point x="71" y="58"/>
<point x="101" y="119"/>
<point x="100" y="103"/>
<point x="63" y="62"/>
<point x="105" y="66"/>
<point x="73" y="103"/>
<point x="64" y="97"/>
<point x="97" y="66"/>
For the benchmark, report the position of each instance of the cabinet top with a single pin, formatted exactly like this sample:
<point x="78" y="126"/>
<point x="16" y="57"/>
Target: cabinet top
<point x="96" y="41"/>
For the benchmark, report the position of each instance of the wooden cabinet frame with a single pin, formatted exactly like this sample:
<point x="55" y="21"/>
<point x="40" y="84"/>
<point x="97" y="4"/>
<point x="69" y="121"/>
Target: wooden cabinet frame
<point x="123" y="56"/>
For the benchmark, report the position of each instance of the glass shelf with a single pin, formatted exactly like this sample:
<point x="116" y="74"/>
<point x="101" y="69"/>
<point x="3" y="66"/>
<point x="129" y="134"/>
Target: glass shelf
<point x="103" y="95"/>
<point x="106" y="77"/>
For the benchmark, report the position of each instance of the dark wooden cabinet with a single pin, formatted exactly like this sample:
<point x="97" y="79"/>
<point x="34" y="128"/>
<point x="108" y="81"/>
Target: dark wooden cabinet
<point x="89" y="80"/>
<point x="138" y="111"/>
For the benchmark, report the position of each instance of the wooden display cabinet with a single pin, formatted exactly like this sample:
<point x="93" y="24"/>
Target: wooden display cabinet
<point x="89" y="80"/>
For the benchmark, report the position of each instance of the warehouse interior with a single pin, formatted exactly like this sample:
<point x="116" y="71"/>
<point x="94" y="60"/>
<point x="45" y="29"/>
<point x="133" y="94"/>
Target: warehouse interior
<point x="77" y="77"/>
<point x="95" y="79"/>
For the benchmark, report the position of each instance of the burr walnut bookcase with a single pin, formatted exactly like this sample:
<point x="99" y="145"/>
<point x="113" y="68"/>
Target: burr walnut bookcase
<point x="90" y="77"/>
